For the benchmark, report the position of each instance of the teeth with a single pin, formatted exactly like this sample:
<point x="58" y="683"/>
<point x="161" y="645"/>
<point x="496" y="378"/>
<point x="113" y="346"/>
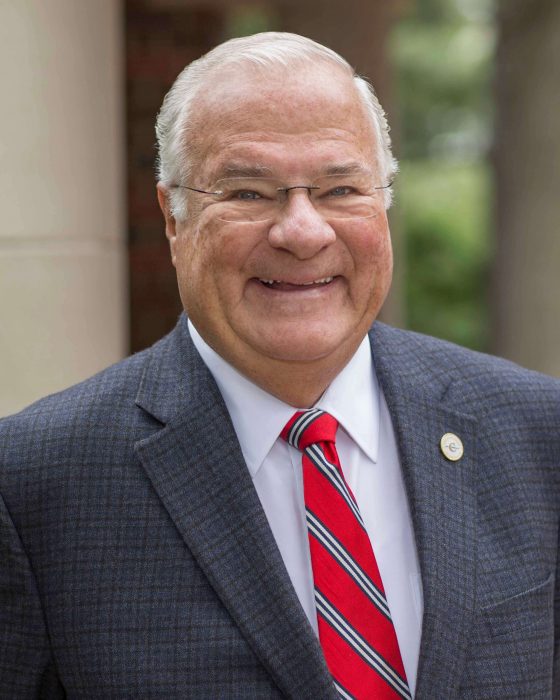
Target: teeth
<point x="324" y="280"/>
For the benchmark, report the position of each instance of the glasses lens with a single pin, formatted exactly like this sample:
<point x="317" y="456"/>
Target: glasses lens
<point x="347" y="197"/>
<point x="247" y="199"/>
<point x="333" y="196"/>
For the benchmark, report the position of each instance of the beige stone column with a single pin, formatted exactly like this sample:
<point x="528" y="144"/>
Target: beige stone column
<point x="526" y="291"/>
<point x="63" y="299"/>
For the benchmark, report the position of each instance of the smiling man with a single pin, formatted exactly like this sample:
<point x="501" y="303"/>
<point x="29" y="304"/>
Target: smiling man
<point x="286" y="298"/>
<point x="283" y="497"/>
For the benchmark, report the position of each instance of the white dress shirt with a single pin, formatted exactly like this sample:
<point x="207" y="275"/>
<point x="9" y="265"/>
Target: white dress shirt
<point x="368" y="454"/>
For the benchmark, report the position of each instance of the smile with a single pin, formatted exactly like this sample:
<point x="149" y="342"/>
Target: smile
<point x="281" y="283"/>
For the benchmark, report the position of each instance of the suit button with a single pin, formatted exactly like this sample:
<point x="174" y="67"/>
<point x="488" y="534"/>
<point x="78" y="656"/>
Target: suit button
<point x="451" y="446"/>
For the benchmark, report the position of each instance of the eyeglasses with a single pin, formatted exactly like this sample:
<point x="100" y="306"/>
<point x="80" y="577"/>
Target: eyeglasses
<point x="258" y="199"/>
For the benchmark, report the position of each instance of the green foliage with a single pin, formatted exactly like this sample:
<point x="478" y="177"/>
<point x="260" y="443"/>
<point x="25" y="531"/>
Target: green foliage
<point x="443" y="56"/>
<point x="443" y="86"/>
<point x="446" y="216"/>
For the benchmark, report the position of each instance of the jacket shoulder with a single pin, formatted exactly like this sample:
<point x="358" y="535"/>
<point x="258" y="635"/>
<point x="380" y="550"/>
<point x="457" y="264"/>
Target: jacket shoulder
<point x="99" y="409"/>
<point x="90" y="394"/>
<point x="479" y="380"/>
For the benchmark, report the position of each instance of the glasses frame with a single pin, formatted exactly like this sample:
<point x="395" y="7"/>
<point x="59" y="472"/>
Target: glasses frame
<point x="284" y="190"/>
<point x="278" y="189"/>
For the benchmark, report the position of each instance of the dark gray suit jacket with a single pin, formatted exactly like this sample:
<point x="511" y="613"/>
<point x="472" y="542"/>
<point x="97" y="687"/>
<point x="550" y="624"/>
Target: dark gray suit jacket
<point x="137" y="562"/>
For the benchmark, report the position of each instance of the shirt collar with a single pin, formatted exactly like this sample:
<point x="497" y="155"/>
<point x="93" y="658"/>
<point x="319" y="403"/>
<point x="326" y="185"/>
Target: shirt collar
<point x="258" y="417"/>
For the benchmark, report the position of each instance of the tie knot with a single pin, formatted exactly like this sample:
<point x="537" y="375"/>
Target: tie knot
<point x="309" y="427"/>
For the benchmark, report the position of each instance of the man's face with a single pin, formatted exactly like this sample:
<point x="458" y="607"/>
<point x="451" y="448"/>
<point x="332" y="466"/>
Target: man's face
<point x="296" y="125"/>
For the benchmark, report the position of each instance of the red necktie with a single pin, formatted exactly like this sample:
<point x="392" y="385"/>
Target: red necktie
<point x="355" y="627"/>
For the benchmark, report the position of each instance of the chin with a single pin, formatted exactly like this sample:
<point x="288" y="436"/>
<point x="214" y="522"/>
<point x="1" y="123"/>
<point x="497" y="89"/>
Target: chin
<point x="307" y="347"/>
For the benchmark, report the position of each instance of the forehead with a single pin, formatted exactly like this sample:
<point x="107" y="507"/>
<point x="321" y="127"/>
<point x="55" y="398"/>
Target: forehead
<point x="281" y="118"/>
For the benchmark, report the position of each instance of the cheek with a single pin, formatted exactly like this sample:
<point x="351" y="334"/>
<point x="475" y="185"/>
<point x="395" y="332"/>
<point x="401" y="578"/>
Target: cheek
<point x="192" y="268"/>
<point x="385" y="254"/>
<point x="209" y="269"/>
<point x="373" y="255"/>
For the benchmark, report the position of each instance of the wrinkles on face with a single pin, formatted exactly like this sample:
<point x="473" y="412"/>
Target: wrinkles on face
<point x="294" y="131"/>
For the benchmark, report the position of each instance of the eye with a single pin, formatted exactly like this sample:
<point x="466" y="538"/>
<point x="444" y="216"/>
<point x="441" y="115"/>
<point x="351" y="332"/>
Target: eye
<point x="340" y="191"/>
<point x="245" y="195"/>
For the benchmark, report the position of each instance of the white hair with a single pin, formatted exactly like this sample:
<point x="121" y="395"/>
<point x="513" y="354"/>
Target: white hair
<point x="265" y="50"/>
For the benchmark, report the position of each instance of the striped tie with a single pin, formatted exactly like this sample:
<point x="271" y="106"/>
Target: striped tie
<point x="355" y="627"/>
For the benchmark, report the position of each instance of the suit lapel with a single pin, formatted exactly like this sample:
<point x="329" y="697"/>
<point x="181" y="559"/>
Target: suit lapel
<point x="196" y="466"/>
<point x="419" y="392"/>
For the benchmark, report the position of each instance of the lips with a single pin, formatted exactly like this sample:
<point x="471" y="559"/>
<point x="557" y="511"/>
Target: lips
<point x="284" y="285"/>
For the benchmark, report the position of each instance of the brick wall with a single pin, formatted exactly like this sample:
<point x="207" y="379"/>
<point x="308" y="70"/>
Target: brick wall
<point x="159" y="43"/>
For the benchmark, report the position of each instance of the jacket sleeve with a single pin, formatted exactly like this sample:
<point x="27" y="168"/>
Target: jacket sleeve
<point x="556" y="679"/>
<point x="26" y="668"/>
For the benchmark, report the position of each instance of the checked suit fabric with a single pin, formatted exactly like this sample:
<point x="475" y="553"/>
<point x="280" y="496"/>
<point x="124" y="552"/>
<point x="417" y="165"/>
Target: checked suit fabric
<point x="354" y="621"/>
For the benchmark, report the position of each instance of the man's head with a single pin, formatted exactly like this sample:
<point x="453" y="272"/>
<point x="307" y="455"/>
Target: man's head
<point x="271" y="51"/>
<point x="289" y="292"/>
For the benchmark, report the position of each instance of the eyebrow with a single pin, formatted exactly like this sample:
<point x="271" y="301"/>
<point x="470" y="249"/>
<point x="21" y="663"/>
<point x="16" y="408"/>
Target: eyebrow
<point x="244" y="170"/>
<point x="352" y="168"/>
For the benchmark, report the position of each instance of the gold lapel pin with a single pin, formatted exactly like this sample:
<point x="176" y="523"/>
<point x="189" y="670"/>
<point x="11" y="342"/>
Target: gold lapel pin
<point x="452" y="447"/>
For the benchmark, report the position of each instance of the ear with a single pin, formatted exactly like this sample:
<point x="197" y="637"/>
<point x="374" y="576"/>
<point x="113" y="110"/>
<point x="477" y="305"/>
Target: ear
<point x="170" y="223"/>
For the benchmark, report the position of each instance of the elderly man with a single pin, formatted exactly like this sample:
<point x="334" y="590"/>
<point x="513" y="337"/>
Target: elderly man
<point x="282" y="498"/>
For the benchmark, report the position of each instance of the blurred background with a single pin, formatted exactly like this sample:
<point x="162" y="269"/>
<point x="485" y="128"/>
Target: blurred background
<point x="472" y="91"/>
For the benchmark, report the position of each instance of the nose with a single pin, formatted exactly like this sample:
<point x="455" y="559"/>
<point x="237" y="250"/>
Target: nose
<point x="299" y="229"/>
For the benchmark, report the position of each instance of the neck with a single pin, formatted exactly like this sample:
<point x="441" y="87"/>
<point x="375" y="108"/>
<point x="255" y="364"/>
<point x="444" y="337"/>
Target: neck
<point x="298" y="383"/>
<point x="294" y="384"/>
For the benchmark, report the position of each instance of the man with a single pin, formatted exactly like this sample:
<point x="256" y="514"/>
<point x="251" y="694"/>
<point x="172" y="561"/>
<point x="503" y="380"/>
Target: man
<point x="171" y="529"/>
